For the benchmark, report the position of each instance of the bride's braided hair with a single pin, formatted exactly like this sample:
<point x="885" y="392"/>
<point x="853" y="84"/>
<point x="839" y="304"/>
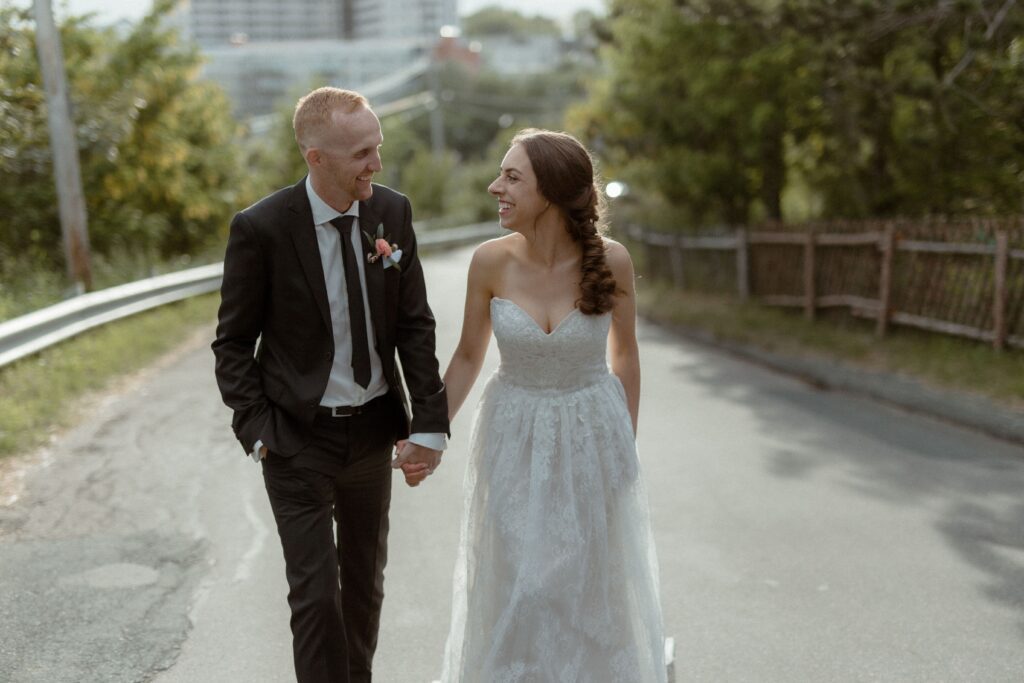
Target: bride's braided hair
<point x="565" y="177"/>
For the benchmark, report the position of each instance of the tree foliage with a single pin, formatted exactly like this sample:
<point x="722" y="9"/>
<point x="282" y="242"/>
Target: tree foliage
<point x="741" y="110"/>
<point x="479" y="113"/>
<point x="158" y="149"/>
<point x="491" y="21"/>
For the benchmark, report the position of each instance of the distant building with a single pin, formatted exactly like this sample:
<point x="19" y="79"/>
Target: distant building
<point x="399" y="18"/>
<point x="258" y="76"/>
<point x="222" y="22"/>
<point x="219" y="22"/>
<point x="260" y="51"/>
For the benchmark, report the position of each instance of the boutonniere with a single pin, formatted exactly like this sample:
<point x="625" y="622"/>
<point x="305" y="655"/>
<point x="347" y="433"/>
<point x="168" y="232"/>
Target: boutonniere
<point x="382" y="249"/>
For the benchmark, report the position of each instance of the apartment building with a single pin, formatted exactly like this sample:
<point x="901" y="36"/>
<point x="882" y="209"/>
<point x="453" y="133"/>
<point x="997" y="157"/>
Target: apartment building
<point x="212" y="23"/>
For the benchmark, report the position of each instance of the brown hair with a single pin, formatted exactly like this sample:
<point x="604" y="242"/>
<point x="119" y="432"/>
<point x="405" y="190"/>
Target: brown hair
<point x="313" y="112"/>
<point x="565" y="177"/>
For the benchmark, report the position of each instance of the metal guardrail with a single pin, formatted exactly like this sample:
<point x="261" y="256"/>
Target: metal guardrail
<point x="28" y="334"/>
<point x="35" y="331"/>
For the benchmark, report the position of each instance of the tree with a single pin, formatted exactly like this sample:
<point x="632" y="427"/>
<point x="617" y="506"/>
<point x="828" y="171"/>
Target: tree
<point x="491" y="21"/>
<point x="697" y="105"/>
<point x="479" y="107"/>
<point x="729" y="109"/>
<point x="159" y="150"/>
<point x="922" y="105"/>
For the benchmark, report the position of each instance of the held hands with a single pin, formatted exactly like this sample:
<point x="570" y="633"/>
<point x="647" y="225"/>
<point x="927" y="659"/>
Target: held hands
<point x="416" y="462"/>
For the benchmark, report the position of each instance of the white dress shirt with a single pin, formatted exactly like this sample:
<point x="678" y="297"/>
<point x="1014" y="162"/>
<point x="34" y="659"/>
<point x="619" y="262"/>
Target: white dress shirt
<point x="342" y="389"/>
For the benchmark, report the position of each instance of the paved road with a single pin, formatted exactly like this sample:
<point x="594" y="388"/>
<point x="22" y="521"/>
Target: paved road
<point x="803" y="536"/>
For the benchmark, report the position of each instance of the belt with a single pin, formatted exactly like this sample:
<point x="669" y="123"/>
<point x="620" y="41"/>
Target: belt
<point x="372" y="405"/>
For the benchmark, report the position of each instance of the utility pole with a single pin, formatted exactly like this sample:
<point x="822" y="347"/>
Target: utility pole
<point x="64" y="147"/>
<point x="437" y="141"/>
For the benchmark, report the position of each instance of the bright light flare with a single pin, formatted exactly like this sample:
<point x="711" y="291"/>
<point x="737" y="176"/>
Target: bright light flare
<point x="615" y="189"/>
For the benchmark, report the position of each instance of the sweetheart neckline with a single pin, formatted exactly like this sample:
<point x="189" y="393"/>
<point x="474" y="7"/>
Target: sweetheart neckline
<point x="536" y="324"/>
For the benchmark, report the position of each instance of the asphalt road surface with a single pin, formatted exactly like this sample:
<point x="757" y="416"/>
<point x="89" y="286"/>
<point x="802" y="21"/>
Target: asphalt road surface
<point x="803" y="536"/>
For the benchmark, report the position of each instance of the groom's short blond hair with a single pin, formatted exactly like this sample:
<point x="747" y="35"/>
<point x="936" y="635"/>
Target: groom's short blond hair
<point x="313" y="112"/>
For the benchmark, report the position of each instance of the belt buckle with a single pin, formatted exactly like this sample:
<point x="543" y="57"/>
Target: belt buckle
<point x="344" y="411"/>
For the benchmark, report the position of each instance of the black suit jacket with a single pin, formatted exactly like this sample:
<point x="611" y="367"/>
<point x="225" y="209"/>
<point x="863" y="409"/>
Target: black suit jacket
<point x="274" y="291"/>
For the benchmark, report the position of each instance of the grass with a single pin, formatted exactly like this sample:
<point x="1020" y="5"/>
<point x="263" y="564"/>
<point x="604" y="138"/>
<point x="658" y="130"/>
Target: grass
<point x="25" y="286"/>
<point x="937" y="360"/>
<point x="37" y="394"/>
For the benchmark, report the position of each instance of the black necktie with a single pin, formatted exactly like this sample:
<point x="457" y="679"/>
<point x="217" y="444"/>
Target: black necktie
<point x="356" y="312"/>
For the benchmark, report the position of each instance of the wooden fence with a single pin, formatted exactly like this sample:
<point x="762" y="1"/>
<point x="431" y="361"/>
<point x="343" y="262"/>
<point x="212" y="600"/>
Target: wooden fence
<point x="960" y="278"/>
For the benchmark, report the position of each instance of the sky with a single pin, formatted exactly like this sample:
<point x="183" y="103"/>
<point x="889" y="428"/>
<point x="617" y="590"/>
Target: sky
<point x="113" y="10"/>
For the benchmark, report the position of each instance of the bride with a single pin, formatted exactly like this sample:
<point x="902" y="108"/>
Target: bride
<point x="556" y="577"/>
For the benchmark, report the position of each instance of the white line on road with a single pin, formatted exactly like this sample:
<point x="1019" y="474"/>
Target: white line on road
<point x="244" y="569"/>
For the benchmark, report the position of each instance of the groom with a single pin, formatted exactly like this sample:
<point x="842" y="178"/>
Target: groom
<point x="313" y="308"/>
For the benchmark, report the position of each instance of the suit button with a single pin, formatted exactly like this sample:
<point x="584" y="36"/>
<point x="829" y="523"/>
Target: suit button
<point x="329" y="355"/>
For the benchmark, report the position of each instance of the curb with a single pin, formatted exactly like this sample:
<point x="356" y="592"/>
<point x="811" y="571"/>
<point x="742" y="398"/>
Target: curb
<point x="966" y="410"/>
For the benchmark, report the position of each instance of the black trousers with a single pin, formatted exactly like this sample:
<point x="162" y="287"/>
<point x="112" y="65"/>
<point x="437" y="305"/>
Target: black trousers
<point x="341" y="480"/>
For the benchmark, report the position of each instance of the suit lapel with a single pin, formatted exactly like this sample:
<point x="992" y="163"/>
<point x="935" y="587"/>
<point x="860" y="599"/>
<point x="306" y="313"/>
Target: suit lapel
<point x="375" y="294"/>
<point x="303" y="234"/>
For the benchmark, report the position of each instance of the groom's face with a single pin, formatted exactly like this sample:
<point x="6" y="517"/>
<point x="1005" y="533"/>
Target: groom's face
<point x="349" y="155"/>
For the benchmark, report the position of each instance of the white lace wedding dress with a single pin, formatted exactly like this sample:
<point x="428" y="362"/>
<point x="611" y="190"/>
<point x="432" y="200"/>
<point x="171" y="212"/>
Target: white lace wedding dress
<point x="556" y="578"/>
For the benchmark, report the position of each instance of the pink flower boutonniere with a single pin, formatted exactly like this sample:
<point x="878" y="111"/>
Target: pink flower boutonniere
<point x="382" y="249"/>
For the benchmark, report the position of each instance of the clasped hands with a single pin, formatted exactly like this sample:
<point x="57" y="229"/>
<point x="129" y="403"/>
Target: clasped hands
<point x="416" y="462"/>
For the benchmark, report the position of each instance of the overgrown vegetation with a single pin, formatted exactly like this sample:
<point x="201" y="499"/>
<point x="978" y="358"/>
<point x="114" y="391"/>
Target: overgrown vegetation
<point x="740" y="111"/>
<point x="491" y="21"/>
<point x="940" y="361"/>
<point x="160" y="153"/>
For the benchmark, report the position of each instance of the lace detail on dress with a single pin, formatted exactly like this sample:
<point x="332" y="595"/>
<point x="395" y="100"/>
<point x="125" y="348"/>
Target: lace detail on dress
<point x="556" y="578"/>
<point x="571" y="355"/>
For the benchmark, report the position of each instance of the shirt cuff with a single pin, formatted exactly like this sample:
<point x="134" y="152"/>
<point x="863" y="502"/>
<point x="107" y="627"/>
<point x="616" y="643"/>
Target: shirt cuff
<point x="435" y="441"/>
<point x="255" y="455"/>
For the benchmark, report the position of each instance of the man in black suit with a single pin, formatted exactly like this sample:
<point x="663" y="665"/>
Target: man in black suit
<point x="326" y="276"/>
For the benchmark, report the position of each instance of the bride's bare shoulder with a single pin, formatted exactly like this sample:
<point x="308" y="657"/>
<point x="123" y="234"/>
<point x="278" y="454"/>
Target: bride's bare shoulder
<point x="496" y="251"/>
<point x="617" y="255"/>
<point x="490" y="261"/>
<point x="619" y="262"/>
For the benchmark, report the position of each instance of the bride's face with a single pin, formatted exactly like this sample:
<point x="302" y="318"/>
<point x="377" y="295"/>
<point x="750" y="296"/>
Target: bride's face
<point x="519" y="200"/>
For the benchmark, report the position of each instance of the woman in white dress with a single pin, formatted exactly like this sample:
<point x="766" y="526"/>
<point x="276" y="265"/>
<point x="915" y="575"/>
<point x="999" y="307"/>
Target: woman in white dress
<point x="556" y="578"/>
